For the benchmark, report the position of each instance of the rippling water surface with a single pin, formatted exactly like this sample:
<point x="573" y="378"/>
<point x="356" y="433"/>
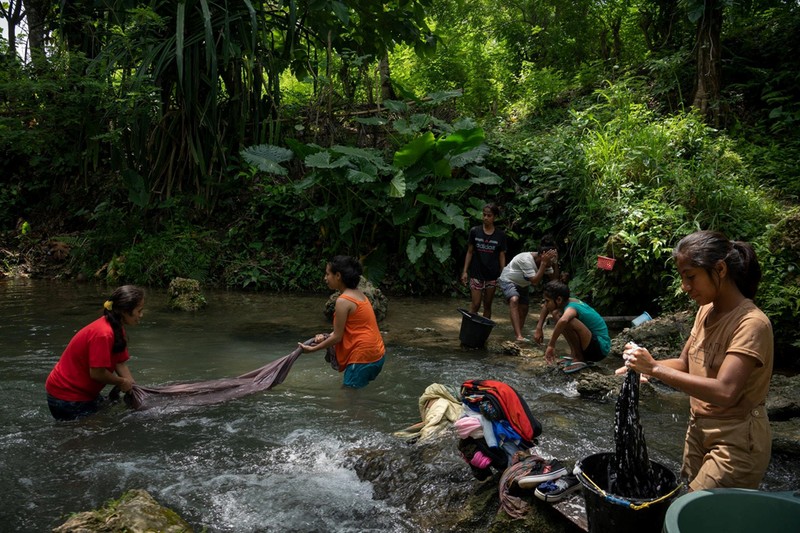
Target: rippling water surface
<point x="273" y="461"/>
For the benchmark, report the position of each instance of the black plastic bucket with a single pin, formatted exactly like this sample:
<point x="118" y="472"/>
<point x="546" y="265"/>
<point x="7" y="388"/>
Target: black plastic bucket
<point x="475" y="329"/>
<point x="607" y="512"/>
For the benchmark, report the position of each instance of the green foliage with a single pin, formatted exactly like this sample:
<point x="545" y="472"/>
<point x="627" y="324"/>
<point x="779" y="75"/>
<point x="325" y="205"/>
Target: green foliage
<point x="538" y="87"/>
<point x="157" y="259"/>
<point x="49" y="121"/>
<point x="273" y="271"/>
<point x="624" y="181"/>
<point x="778" y="251"/>
<point x="378" y="205"/>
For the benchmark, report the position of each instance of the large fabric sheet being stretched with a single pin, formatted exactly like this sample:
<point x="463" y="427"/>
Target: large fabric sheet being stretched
<point x="215" y="390"/>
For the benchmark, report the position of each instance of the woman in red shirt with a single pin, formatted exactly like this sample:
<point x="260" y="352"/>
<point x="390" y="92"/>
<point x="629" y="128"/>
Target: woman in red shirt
<point x="95" y="357"/>
<point x="356" y="337"/>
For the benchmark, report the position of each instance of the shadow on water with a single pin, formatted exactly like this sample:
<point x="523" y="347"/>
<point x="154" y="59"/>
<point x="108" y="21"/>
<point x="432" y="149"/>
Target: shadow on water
<point x="273" y="461"/>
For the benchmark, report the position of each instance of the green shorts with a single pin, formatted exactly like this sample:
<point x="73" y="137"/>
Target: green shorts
<point x="358" y="375"/>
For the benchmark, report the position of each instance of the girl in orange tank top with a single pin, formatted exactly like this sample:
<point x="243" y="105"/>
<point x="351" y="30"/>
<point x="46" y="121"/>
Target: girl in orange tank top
<point x="355" y="336"/>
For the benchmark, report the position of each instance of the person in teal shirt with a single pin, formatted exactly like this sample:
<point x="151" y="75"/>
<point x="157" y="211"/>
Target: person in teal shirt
<point x="582" y="327"/>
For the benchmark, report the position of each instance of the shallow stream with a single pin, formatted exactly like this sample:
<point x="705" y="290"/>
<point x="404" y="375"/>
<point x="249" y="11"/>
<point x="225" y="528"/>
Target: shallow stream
<point x="273" y="461"/>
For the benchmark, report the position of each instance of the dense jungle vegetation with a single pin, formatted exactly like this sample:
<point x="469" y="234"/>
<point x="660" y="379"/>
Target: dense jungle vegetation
<point x="244" y="142"/>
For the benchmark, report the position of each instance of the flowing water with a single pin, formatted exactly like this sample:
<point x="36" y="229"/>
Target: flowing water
<point x="272" y="461"/>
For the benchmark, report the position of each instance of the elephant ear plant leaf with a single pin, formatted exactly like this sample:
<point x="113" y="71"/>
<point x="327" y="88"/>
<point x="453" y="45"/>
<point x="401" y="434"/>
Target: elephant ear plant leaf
<point x="267" y="158"/>
<point x="430" y="164"/>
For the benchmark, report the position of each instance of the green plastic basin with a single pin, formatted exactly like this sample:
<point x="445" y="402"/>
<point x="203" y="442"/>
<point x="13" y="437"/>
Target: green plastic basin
<point x="734" y="511"/>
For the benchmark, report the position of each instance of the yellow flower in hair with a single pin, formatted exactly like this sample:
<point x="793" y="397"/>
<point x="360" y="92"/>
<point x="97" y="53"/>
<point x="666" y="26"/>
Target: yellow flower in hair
<point x="108" y="305"/>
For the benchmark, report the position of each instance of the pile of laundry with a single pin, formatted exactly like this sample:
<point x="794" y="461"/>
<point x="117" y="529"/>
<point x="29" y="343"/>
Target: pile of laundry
<point x="497" y="423"/>
<point x="498" y="431"/>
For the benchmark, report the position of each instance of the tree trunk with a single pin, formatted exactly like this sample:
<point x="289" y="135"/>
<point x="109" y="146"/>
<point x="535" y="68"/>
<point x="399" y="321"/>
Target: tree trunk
<point x="387" y="92"/>
<point x="708" y="56"/>
<point x="656" y="20"/>
<point x="13" y="15"/>
<point x="35" y="12"/>
<point x="616" y="39"/>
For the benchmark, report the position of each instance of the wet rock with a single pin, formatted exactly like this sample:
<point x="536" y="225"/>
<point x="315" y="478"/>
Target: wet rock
<point x="663" y="336"/>
<point x="380" y="304"/>
<point x="605" y="385"/>
<point x="135" y="512"/>
<point x="429" y="480"/>
<point x="597" y="386"/>
<point x="783" y="401"/>
<point x="436" y="487"/>
<point x="185" y="295"/>
<point x="510" y="348"/>
<point x="786" y="440"/>
<point x="783" y="407"/>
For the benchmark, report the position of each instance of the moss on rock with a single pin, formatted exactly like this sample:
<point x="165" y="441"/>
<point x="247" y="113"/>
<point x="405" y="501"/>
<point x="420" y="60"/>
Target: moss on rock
<point x="134" y="512"/>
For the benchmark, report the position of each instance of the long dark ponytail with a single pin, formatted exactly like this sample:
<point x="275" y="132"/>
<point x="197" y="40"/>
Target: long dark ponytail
<point x="705" y="249"/>
<point x="124" y="300"/>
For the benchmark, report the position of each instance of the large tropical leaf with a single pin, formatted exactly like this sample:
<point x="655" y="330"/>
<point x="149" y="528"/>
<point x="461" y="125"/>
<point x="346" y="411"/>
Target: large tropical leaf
<point x="397" y="187"/>
<point x="442" y="250"/>
<point x="475" y="155"/>
<point x="372" y="156"/>
<point x="433" y="231"/>
<point x="452" y="214"/>
<point x="357" y="176"/>
<point x="307" y="182"/>
<point x="412" y="152"/>
<point x="396" y="106"/>
<point x="460" y="141"/>
<point x="323" y="160"/>
<point x="483" y="175"/>
<point x="414" y="249"/>
<point x="267" y="158"/>
<point x="428" y="200"/>
<point x="442" y="96"/>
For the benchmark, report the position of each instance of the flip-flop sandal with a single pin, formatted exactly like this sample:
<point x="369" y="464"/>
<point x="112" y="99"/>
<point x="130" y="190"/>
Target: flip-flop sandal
<point x="565" y="360"/>
<point x="575" y="367"/>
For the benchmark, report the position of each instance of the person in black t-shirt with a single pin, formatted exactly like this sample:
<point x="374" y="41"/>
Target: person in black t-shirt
<point x="485" y="259"/>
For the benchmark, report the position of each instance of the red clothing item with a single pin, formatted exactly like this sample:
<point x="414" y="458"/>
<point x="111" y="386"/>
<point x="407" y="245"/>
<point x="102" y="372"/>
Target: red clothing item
<point x="89" y="348"/>
<point x="361" y="341"/>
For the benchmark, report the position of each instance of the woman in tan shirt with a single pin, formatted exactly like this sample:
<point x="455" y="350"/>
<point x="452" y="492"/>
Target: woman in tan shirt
<point x="725" y="366"/>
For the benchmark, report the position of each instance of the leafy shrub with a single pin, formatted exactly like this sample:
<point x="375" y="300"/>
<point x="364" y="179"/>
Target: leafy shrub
<point x="621" y="180"/>
<point x="157" y="259"/>
<point x="49" y="123"/>
<point x="778" y="252"/>
<point x="397" y="209"/>
<point x="538" y="87"/>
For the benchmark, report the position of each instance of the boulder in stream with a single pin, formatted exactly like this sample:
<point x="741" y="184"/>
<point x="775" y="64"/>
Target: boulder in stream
<point x="438" y="491"/>
<point x="134" y="512"/>
<point x="380" y="304"/>
<point x="185" y="295"/>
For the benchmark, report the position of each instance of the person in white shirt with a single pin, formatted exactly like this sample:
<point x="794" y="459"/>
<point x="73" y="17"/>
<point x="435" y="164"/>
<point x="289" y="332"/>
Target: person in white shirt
<point x="524" y="270"/>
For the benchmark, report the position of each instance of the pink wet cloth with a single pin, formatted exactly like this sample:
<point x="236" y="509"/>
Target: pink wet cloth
<point x="466" y="425"/>
<point x="215" y="390"/>
<point x="479" y="460"/>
